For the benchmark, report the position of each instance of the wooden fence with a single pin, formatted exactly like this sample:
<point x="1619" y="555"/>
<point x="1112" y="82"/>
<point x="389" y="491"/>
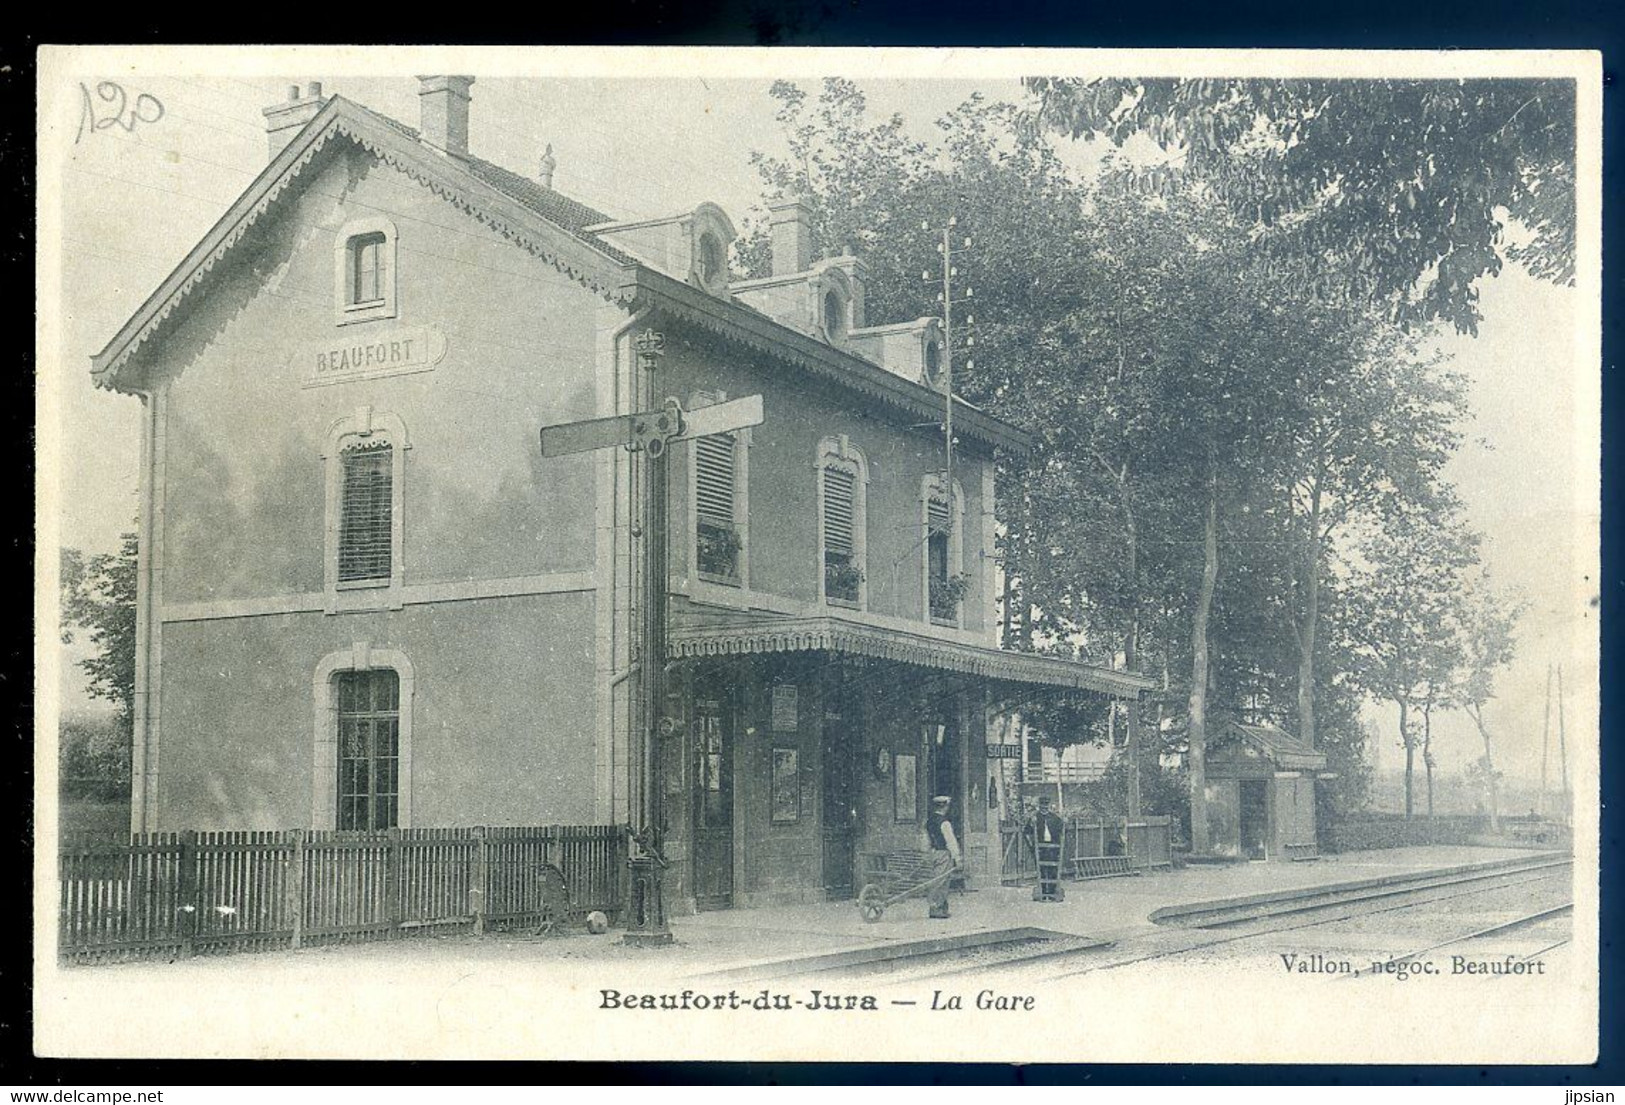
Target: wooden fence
<point x="1092" y="847"/>
<point x="172" y="895"/>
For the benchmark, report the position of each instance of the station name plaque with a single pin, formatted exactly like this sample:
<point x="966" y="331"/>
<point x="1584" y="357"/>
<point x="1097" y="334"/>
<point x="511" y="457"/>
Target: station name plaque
<point x="394" y="352"/>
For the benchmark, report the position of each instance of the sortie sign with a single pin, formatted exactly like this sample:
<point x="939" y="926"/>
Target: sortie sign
<point x="363" y="356"/>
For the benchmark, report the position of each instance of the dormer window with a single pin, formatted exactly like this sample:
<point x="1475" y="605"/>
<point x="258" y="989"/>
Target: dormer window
<point x="933" y="362"/>
<point x="364" y="264"/>
<point x="712" y="264"/>
<point x="834" y="316"/>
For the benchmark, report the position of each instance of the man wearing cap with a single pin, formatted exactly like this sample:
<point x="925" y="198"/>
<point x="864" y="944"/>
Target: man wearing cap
<point x="944" y="843"/>
<point x="1046" y="831"/>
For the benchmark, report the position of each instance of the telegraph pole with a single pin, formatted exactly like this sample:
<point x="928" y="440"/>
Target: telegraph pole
<point x="1546" y="743"/>
<point x="946" y="297"/>
<point x="1562" y="749"/>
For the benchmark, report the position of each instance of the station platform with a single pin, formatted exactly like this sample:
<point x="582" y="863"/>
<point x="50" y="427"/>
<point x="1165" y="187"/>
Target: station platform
<point x="1105" y="909"/>
<point x="464" y="995"/>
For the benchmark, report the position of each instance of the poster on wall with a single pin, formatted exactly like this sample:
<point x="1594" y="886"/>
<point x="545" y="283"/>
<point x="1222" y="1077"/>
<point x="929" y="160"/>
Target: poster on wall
<point x="786" y="784"/>
<point x="784" y="708"/>
<point x="905" y="804"/>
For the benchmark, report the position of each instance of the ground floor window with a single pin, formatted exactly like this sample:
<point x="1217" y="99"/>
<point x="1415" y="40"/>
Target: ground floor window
<point x="368" y="749"/>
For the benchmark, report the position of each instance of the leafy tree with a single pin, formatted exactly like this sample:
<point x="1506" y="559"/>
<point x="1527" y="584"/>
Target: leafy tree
<point x="94" y="759"/>
<point x="98" y="602"/>
<point x="1404" y="615"/>
<point x="1382" y="192"/>
<point x="1203" y="418"/>
<point x="1487" y="645"/>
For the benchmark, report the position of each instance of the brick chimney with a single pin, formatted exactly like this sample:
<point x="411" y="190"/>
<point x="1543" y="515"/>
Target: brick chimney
<point x="791" y="225"/>
<point x="285" y="120"/>
<point x="444" y="105"/>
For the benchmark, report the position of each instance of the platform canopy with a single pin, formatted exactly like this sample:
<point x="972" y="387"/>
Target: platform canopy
<point x="745" y="633"/>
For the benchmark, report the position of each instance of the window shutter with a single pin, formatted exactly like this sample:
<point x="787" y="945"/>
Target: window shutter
<point x="839" y="488"/>
<point x="366" y="532"/>
<point x="714" y="480"/>
<point x="937" y="519"/>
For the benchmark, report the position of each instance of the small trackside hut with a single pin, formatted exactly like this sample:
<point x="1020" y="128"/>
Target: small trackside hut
<point x="1261" y="793"/>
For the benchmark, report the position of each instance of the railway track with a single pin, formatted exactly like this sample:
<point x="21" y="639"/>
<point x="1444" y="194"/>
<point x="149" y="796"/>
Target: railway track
<point x="1178" y="942"/>
<point x="1316" y="908"/>
<point x="1493" y="930"/>
<point x="1269" y="915"/>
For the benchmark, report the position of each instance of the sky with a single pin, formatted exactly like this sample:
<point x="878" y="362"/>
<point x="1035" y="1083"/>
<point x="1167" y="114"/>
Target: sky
<point x="133" y="201"/>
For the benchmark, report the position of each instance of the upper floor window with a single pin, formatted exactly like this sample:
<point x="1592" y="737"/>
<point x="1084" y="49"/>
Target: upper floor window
<point x="717" y="542"/>
<point x="365" y="497"/>
<point x="366" y="513"/>
<point x="945" y="579"/>
<point x="365" y="270"/>
<point x="842" y="479"/>
<point x="712" y="263"/>
<point x="369" y="748"/>
<point x="368" y="267"/>
<point x="834" y="315"/>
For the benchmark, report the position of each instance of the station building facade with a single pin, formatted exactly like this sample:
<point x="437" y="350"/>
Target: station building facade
<point x="366" y="600"/>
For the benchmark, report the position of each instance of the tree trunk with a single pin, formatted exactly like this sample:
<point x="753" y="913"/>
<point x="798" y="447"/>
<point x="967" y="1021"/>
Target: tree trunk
<point x="1410" y="758"/>
<point x="1197" y="756"/>
<point x="1427" y="748"/>
<point x="1311" y="624"/>
<point x="1489" y="770"/>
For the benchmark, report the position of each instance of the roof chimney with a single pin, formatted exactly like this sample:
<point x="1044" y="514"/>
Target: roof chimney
<point x="549" y="163"/>
<point x="444" y="104"/>
<point x="284" y="121"/>
<point x="791" y="224"/>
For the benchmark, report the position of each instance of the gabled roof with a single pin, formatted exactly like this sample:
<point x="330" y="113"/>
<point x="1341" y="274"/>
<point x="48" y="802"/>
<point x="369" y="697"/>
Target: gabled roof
<point x="1284" y="749"/>
<point x="542" y="222"/>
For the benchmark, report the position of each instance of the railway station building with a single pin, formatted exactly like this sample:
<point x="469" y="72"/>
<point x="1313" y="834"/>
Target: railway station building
<point x="366" y="600"/>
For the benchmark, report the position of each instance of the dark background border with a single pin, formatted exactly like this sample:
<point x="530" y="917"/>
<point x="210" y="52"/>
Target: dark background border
<point x="1390" y="24"/>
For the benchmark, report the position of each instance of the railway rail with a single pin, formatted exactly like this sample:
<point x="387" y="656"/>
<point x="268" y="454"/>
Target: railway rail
<point x="1226" y="923"/>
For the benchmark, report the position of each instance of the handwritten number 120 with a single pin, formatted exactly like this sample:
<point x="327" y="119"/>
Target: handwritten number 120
<point x="116" y="109"/>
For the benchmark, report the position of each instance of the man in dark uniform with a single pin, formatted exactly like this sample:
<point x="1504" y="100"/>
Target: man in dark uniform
<point x="1046" y="831"/>
<point x="939" y="832"/>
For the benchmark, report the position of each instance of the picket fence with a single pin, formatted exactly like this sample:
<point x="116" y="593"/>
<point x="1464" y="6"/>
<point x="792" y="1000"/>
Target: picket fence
<point x="1091" y="848"/>
<point x="172" y="895"/>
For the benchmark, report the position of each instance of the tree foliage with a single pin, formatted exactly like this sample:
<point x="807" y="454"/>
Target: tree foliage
<point x="98" y="602"/>
<point x="1385" y="192"/>
<point x="1199" y="412"/>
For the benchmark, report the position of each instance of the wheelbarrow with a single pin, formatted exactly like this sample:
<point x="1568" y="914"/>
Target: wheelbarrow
<point x="891" y="877"/>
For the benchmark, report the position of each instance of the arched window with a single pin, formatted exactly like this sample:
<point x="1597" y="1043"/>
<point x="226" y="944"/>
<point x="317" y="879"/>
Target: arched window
<point x="843" y="476"/>
<point x="834" y="315"/>
<point x="363" y="740"/>
<point x="364" y="270"/>
<point x="365" y="497"/>
<point x="368" y="713"/>
<point x="366" y="514"/>
<point x="712" y="264"/>
<point x="933" y="362"/>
